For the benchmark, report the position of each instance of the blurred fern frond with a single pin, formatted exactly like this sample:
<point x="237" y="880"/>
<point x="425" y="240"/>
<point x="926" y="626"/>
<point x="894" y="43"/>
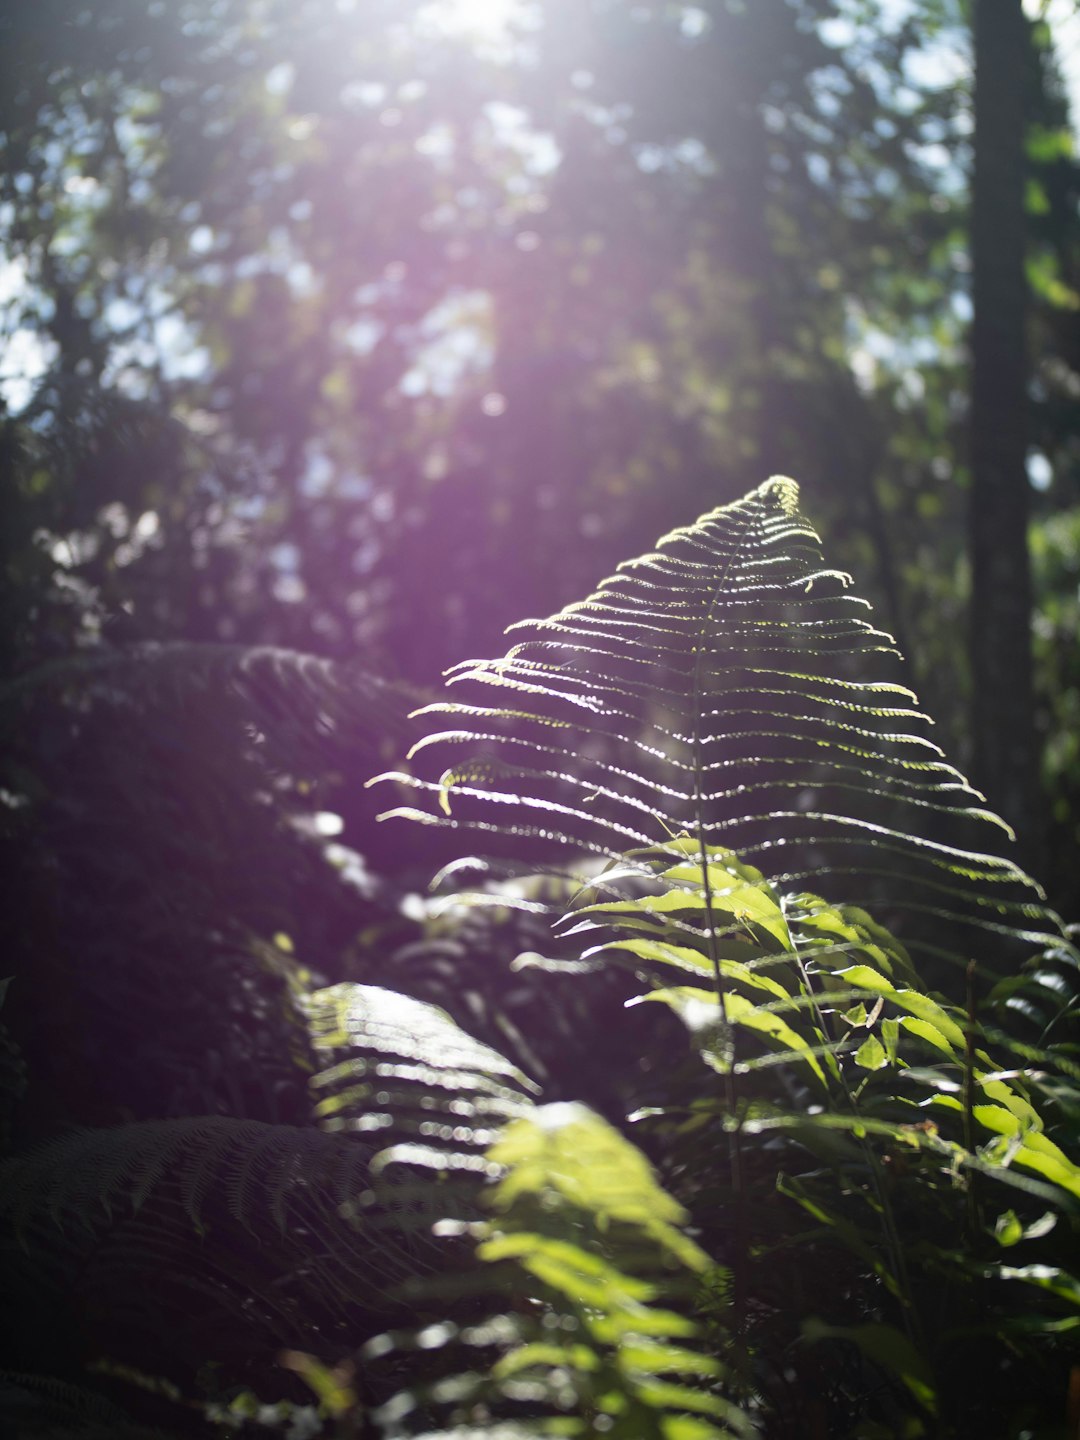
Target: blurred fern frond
<point x="37" y="1407"/>
<point x="233" y="1237"/>
<point x="588" y="1326"/>
<point x="158" y="802"/>
<point x="303" y="704"/>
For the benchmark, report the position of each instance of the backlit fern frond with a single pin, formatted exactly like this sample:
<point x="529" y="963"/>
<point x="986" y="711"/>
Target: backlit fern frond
<point x="874" y="1105"/>
<point x="717" y="745"/>
<point x="411" y="1072"/>
<point x="728" y="686"/>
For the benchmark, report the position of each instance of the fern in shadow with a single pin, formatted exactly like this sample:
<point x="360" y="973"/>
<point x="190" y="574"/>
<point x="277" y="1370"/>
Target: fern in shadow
<point x="227" y="1239"/>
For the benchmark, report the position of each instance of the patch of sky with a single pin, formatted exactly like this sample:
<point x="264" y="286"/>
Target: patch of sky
<point x="364" y="94"/>
<point x="25" y="354"/>
<point x="962" y="308"/>
<point x="437" y="142"/>
<point x="1040" y="473"/>
<point x="285" y="556"/>
<point x="279" y="256"/>
<point x="830" y="84"/>
<point x="688" y="154"/>
<point x="945" y="61"/>
<point x="289" y="589"/>
<point x="364" y="334"/>
<point x="457" y="336"/>
<point x="496" y="31"/>
<point x="354" y="486"/>
<point x="150" y="337"/>
<point x="1063" y="18"/>
<point x="14" y="284"/>
<point x="875" y="355"/>
<point x="280" y="77"/>
<point x="539" y="152"/>
<point x="694" y="22"/>
<point x="318" y="474"/>
<point x="25" y="359"/>
<point x="818" y="168"/>
<point x="122" y="313"/>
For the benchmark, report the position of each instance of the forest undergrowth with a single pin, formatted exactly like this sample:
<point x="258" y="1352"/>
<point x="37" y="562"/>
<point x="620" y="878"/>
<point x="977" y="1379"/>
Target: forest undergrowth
<point x="722" y="1083"/>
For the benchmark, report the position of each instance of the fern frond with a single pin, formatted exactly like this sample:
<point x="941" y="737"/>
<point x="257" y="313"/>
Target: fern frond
<point x="269" y="1234"/>
<point x="411" y="1070"/>
<point x="84" y="1179"/>
<point x="729" y="687"/>
<point x="593" y="1276"/>
<point x="832" y="1048"/>
<point x="304" y="703"/>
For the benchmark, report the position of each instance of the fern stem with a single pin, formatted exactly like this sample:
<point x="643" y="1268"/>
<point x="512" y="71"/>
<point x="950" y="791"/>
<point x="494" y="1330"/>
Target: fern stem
<point x="969" y="1098"/>
<point x="728" y="1031"/>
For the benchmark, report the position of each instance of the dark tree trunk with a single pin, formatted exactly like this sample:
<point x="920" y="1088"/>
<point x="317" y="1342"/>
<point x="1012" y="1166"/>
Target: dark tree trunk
<point x="1003" y="719"/>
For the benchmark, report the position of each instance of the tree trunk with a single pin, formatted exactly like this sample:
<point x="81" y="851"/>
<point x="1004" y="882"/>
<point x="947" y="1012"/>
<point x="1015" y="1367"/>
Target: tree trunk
<point x="1003" y="718"/>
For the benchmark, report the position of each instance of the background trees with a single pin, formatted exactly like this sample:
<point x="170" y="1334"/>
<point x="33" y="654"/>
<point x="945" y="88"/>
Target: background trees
<point x="328" y="298"/>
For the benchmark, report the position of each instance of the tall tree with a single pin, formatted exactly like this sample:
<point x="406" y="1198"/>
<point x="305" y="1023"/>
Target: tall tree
<point x="1003" y="718"/>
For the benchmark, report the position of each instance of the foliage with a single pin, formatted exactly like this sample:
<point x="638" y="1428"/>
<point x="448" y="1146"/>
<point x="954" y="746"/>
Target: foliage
<point x="867" y="1198"/>
<point x="159" y="804"/>
<point x="337" y="336"/>
<point x="730" y="650"/>
<point x="722" y="685"/>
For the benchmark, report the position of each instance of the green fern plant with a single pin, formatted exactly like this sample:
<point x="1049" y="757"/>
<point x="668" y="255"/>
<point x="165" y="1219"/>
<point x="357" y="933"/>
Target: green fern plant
<point x="728" y="686"/>
<point x="867" y="1184"/>
<point x="881" y="1080"/>
<point x="720" y="702"/>
<point x="579" y="1314"/>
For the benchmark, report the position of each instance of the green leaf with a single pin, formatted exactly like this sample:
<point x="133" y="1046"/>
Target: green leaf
<point x="871" y="1054"/>
<point x="1008" y="1229"/>
<point x="1046" y="1277"/>
<point x="567" y="1149"/>
<point x="700" y="1012"/>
